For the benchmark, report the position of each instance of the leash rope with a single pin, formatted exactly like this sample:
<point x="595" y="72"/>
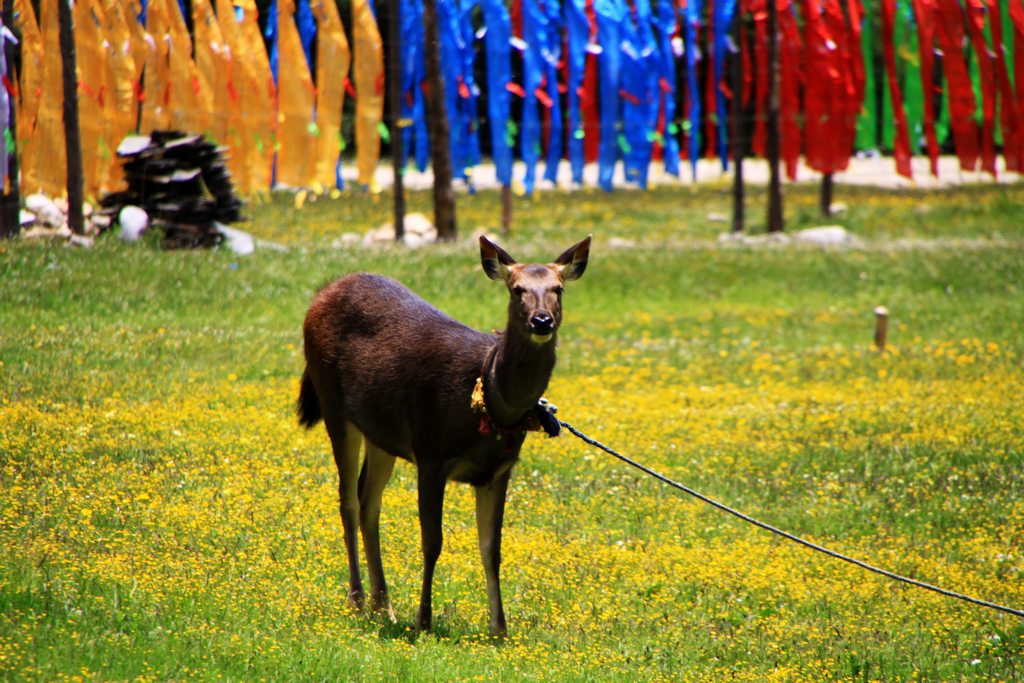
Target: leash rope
<point x="785" y="534"/>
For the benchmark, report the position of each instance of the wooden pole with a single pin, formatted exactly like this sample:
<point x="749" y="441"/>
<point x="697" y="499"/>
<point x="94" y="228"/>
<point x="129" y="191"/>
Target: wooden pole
<point x="395" y="95"/>
<point x="72" y="134"/>
<point x="826" y="195"/>
<point x="736" y="121"/>
<point x="437" y="118"/>
<point x="10" y="223"/>
<point x="775" y="220"/>
<point x="881" y="326"/>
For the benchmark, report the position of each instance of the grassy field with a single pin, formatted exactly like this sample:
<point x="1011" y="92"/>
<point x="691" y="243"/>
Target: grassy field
<point x="162" y="516"/>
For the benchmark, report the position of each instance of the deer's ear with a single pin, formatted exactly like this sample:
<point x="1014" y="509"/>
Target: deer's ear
<point x="573" y="260"/>
<point x="494" y="259"/>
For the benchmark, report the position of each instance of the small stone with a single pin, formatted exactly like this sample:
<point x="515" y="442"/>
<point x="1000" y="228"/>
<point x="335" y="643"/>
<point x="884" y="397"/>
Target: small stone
<point x="60" y="233"/>
<point x="347" y="239"/>
<point x="413" y="241"/>
<point x="133" y="221"/>
<point x="716" y="217"/>
<point x="418" y="224"/>
<point x="38" y="203"/>
<point x="382" y="235"/>
<point x="826" y="235"/>
<point x="237" y="241"/>
<point x="82" y="241"/>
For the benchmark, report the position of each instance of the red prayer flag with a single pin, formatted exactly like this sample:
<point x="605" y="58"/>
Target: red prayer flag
<point x="961" y="97"/>
<point x="1017" y="17"/>
<point x="759" y="9"/>
<point x="976" y="30"/>
<point x="790" y="78"/>
<point x="1009" y="114"/>
<point x="901" y="141"/>
<point x="926" y="13"/>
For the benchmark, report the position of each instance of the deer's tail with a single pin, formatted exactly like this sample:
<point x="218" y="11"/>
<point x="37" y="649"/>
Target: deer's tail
<point x="308" y="406"/>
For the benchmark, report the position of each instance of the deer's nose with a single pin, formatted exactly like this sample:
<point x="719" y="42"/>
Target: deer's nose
<point x="542" y="323"/>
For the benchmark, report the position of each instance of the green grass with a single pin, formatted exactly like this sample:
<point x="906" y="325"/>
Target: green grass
<point x="163" y="517"/>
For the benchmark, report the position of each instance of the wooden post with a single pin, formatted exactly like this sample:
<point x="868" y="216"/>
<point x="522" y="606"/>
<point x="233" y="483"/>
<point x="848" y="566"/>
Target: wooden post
<point x="775" y="220"/>
<point x="72" y="135"/>
<point x="881" y="326"/>
<point x="395" y="96"/>
<point x="10" y="216"/>
<point x="437" y="120"/>
<point x="736" y="121"/>
<point x="826" y="195"/>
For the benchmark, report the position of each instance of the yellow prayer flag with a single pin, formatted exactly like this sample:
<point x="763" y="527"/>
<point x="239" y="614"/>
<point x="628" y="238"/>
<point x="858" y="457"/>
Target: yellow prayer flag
<point x="127" y="53"/>
<point x="332" y="64"/>
<point x="30" y="89"/>
<point x="296" y="132"/>
<point x="369" y="80"/>
<point x="213" y="61"/>
<point x="94" y="92"/>
<point x="50" y="157"/>
<point x="189" y="102"/>
<point x="258" y="98"/>
<point x="156" y="113"/>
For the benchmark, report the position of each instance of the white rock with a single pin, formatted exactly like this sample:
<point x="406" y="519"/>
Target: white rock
<point x="381" y="235"/>
<point x="418" y="224"/>
<point x="37" y="203"/>
<point x="83" y="241"/>
<point x="26" y="217"/>
<point x="347" y="239"/>
<point x="100" y="221"/>
<point x="133" y="221"/>
<point x="413" y="241"/>
<point x="63" y="232"/>
<point x="826" y="235"/>
<point x="238" y="241"/>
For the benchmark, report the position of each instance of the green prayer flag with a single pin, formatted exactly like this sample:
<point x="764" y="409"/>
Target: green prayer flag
<point x="868" y="119"/>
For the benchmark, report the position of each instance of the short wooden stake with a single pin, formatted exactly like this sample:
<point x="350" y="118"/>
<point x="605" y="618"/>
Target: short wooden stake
<point x="881" y="326"/>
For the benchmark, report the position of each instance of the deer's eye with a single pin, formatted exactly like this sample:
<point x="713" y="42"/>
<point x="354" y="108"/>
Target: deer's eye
<point x="518" y="291"/>
<point x="558" y="291"/>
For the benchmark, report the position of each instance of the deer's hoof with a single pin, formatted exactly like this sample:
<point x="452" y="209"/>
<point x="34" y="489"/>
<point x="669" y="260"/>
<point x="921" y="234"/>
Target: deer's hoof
<point x="380" y="603"/>
<point x="357" y="599"/>
<point x="424" y="619"/>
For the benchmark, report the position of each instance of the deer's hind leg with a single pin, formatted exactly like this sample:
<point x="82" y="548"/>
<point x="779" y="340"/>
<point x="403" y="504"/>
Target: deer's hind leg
<point x="346" y="441"/>
<point x="376" y="472"/>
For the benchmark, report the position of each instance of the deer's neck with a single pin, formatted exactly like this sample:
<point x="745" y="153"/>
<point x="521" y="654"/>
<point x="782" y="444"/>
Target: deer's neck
<point x="517" y="377"/>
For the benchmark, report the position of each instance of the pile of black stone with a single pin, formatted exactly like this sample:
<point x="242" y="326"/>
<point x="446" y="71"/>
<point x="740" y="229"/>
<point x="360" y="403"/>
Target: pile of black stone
<point x="180" y="180"/>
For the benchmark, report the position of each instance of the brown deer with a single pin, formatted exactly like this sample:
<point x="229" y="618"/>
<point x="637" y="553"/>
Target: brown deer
<point x="385" y="368"/>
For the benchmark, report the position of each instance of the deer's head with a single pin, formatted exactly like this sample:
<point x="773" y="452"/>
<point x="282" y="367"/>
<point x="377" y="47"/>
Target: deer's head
<point x="535" y="289"/>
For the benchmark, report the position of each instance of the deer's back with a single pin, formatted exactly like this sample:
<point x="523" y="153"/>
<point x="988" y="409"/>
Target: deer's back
<point x="397" y="367"/>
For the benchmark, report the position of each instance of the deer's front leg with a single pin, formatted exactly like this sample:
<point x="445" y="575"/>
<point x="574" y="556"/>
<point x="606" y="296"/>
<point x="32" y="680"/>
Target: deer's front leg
<point x="430" y="485"/>
<point x="490" y="512"/>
